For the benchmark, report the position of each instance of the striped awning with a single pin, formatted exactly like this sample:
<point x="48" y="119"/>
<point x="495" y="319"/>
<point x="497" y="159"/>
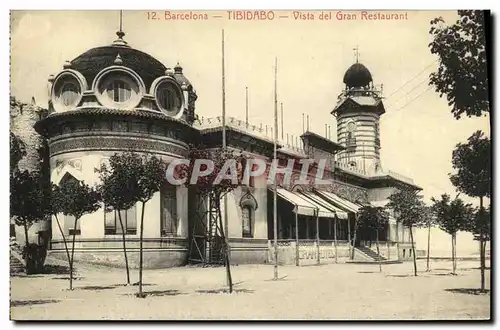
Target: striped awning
<point x="339" y="201"/>
<point x="327" y="210"/>
<point x="301" y="206"/>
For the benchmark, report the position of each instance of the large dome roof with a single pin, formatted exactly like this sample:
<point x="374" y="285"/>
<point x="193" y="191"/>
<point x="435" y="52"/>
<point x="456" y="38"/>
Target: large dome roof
<point x="357" y="76"/>
<point x="90" y="63"/>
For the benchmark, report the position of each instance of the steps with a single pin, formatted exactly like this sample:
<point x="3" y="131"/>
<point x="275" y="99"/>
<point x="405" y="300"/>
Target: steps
<point x="16" y="263"/>
<point x="16" y="266"/>
<point x="371" y="254"/>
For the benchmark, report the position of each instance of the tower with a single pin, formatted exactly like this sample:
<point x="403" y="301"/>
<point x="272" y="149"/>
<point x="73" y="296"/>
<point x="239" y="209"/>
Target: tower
<point x="358" y="112"/>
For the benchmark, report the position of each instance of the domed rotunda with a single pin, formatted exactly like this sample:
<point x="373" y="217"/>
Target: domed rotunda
<point x="112" y="99"/>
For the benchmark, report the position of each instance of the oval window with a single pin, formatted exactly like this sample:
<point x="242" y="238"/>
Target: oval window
<point x="168" y="98"/>
<point x="69" y="94"/>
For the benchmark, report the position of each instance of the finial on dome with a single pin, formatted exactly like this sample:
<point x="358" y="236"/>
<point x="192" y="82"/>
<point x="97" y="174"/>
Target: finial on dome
<point x="120" y="33"/>
<point x="184" y="86"/>
<point x="67" y="65"/>
<point x="178" y="68"/>
<point x="118" y="60"/>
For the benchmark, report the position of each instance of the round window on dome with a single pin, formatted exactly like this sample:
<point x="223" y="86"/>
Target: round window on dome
<point x="118" y="90"/>
<point x="67" y="93"/>
<point x="169" y="98"/>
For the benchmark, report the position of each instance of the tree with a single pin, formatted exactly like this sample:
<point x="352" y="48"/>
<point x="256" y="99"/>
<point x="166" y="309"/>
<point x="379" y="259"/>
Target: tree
<point x="373" y="219"/>
<point x="227" y="163"/>
<point x="452" y="216"/>
<point x="430" y="221"/>
<point x="27" y="206"/>
<point x="472" y="161"/>
<point x="150" y="176"/>
<point x="463" y="73"/>
<point x="410" y="210"/>
<point x="118" y="189"/>
<point x="77" y="199"/>
<point x="55" y="207"/>
<point x="480" y="227"/>
<point x="17" y="151"/>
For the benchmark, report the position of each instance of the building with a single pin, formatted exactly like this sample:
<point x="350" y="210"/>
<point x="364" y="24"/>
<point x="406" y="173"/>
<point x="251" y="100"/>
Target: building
<point x="116" y="98"/>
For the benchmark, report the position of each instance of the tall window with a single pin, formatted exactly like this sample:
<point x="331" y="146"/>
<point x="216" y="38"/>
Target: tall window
<point x="69" y="94"/>
<point x="112" y="224"/>
<point x="168" y="211"/>
<point x="119" y="91"/>
<point x="69" y="220"/>
<point x="246" y="221"/>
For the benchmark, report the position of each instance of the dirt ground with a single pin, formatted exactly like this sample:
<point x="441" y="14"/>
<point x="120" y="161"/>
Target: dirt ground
<point x="336" y="291"/>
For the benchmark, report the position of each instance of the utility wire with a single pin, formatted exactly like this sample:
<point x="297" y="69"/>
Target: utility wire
<point x="408" y="103"/>
<point x="407" y="93"/>
<point x="409" y="81"/>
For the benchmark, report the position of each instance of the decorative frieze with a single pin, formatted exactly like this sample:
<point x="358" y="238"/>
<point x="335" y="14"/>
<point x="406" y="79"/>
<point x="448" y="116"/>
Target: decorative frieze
<point x="119" y="143"/>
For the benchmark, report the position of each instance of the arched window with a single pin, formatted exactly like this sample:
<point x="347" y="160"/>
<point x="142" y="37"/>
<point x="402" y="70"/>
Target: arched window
<point x="119" y="91"/>
<point x="246" y="221"/>
<point x="69" y="94"/>
<point x="168" y="203"/>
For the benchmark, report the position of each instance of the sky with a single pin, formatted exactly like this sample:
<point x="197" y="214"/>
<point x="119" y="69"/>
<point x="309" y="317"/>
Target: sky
<point x="418" y="131"/>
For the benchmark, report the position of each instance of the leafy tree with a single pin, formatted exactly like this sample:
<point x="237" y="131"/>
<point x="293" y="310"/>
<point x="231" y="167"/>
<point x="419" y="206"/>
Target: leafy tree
<point x="150" y="176"/>
<point x="213" y="189"/>
<point x="76" y="199"/>
<point x="472" y="161"/>
<point x="410" y="210"/>
<point x="373" y="219"/>
<point x="452" y="216"/>
<point x="17" y="151"/>
<point x="27" y="206"/>
<point x="463" y="73"/>
<point x="55" y="207"/>
<point x="118" y="189"/>
<point x="430" y="221"/>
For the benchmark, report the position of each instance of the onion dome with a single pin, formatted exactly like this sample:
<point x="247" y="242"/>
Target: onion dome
<point x="357" y="76"/>
<point x="90" y="63"/>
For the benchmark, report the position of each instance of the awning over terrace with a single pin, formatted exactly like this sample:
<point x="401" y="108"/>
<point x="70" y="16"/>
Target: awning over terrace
<point x="301" y="206"/>
<point x="321" y="203"/>
<point x="339" y="201"/>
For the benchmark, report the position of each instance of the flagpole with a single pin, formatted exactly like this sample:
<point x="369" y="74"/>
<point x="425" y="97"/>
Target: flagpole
<point x="275" y="213"/>
<point x="246" y="106"/>
<point x="224" y="146"/>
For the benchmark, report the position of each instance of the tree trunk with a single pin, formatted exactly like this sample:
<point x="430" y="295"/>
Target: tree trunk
<point x="354" y="236"/>
<point x="72" y="256"/>
<point x="453" y="254"/>
<point x="25" y="225"/>
<point x="349" y="238"/>
<point x="124" y="245"/>
<point x="335" y="238"/>
<point x="397" y="240"/>
<point x="481" y="239"/>
<point x="428" y="246"/>
<point x="413" y="250"/>
<point x="141" y="234"/>
<point x="378" y="252"/>
<point x="63" y="237"/>
<point x="223" y="236"/>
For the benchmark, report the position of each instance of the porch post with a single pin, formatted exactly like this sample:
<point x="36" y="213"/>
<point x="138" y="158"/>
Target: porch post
<point x="296" y="239"/>
<point x="335" y="237"/>
<point x="349" y="234"/>
<point x="317" y="236"/>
